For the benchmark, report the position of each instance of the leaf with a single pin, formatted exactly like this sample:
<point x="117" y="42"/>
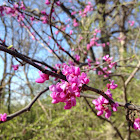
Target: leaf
<point x="133" y="56"/>
<point x="10" y="47"/>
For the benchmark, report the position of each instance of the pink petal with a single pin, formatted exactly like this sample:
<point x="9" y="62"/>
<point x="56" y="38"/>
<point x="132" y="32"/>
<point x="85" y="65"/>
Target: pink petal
<point x="40" y="80"/>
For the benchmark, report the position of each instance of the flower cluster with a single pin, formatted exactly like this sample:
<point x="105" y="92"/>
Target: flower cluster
<point x="13" y="11"/>
<point x="87" y="9"/>
<point x="101" y="104"/>
<point x="94" y="40"/>
<point x="110" y="65"/>
<point x="109" y="61"/>
<point x="3" y="117"/>
<point x="47" y="2"/>
<point x="131" y="22"/>
<point x="111" y="85"/>
<point x="67" y="91"/>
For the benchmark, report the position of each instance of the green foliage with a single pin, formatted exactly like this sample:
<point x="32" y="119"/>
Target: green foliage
<point x="77" y="123"/>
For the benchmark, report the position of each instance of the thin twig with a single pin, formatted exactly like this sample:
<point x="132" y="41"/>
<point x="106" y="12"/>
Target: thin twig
<point x="27" y="108"/>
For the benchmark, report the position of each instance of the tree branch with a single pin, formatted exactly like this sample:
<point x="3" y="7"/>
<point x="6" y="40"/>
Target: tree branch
<point x="27" y="108"/>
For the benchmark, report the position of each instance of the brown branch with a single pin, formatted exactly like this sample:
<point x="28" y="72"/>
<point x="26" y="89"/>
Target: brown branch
<point x="27" y="108"/>
<point x="131" y="66"/>
<point x="132" y="74"/>
<point x="29" y="61"/>
<point x="124" y="86"/>
<point x="126" y="105"/>
<point x="50" y="23"/>
<point x="44" y="41"/>
<point x="85" y="87"/>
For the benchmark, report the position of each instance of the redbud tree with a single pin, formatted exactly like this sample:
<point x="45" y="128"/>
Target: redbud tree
<point x="65" y="48"/>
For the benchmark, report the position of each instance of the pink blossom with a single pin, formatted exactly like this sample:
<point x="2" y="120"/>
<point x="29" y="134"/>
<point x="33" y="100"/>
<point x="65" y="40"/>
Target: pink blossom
<point x="80" y="12"/>
<point x="73" y="13"/>
<point x="47" y="2"/>
<point x="108" y="93"/>
<point x="114" y="106"/>
<point x="3" y="117"/>
<point x="107" y="43"/>
<point x="15" y="67"/>
<point x="87" y="9"/>
<point x="131" y="23"/>
<point x="89" y="61"/>
<point x="80" y="38"/>
<point x="136" y="124"/>
<point x="103" y="44"/>
<point x="56" y="32"/>
<point x="20" y="17"/>
<point x="58" y="3"/>
<point x="107" y="73"/>
<point x="97" y="30"/>
<point x="83" y="78"/>
<point x="105" y="68"/>
<point x="71" y="63"/>
<point x="72" y="49"/>
<point x="101" y="104"/>
<point x="71" y="31"/>
<point x="44" y="19"/>
<point x="99" y="113"/>
<point x="100" y="72"/>
<point x="95" y="34"/>
<point x="43" y="12"/>
<point x="85" y="53"/>
<point x="63" y="28"/>
<point x="107" y="58"/>
<point x="112" y="85"/>
<point x="16" y="6"/>
<point x="75" y="23"/>
<point x="43" y="77"/>
<point x="97" y="62"/>
<point x="9" y="10"/>
<point x="77" y="57"/>
<point x="71" y="102"/>
<point x="89" y="3"/>
<point x="22" y="6"/>
<point x="92" y="42"/>
<point x="111" y="65"/>
<point x="32" y="18"/>
<point x="108" y="113"/>
<point x="121" y="38"/>
<point x="88" y="46"/>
